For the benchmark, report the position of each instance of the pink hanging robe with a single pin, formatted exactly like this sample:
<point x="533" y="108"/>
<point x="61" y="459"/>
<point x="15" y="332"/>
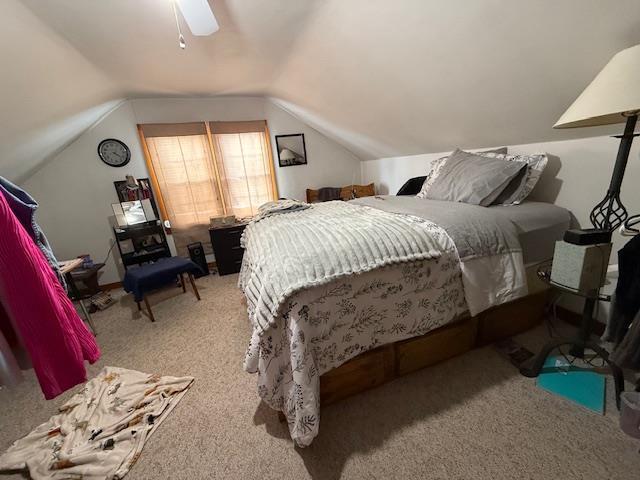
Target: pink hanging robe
<point x="37" y="308"/>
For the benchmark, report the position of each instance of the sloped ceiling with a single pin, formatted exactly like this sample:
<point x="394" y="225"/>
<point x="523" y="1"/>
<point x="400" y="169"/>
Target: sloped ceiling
<point x="49" y="92"/>
<point x="381" y="77"/>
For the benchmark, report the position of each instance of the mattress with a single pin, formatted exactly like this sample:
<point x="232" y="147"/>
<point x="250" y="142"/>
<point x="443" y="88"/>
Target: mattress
<point x="539" y="226"/>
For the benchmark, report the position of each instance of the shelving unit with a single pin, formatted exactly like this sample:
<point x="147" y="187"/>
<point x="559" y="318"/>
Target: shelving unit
<point x="142" y="251"/>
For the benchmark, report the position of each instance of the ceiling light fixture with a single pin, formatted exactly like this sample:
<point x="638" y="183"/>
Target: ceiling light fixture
<point x="199" y="17"/>
<point x="181" y="40"/>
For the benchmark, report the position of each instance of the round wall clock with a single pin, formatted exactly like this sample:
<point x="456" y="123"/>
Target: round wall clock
<point x="114" y="152"/>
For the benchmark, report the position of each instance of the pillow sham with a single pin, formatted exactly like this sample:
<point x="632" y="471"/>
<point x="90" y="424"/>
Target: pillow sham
<point x="521" y="186"/>
<point x="472" y="178"/>
<point x="437" y="164"/>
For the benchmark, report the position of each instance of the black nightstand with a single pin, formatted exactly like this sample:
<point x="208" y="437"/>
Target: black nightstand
<point x="226" y="247"/>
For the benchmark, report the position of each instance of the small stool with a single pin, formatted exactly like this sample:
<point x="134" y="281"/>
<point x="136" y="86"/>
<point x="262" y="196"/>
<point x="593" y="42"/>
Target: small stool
<point x="145" y="278"/>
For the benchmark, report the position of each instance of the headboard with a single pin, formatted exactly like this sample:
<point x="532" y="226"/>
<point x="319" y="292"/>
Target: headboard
<point x="345" y="192"/>
<point x="412" y="186"/>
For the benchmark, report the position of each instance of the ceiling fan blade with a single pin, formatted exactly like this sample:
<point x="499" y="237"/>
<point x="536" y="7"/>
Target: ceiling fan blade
<point x="199" y="17"/>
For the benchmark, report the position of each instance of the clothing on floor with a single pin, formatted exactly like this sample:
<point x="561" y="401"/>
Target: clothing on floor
<point x="39" y="312"/>
<point x="623" y="327"/>
<point x="100" y="432"/>
<point x="24" y="207"/>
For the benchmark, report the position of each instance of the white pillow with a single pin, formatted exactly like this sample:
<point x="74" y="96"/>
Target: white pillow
<point x="437" y="164"/>
<point x="520" y="187"/>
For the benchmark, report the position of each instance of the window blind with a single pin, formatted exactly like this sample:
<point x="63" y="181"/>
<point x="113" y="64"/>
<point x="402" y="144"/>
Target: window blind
<point x="204" y="170"/>
<point x="243" y="155"/>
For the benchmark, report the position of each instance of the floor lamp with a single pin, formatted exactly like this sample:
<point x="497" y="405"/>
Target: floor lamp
<point x="612" y="97"/>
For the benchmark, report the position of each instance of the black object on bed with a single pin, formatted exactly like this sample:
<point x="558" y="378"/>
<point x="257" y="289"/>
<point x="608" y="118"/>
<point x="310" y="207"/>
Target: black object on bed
<point x="412" y="186"/>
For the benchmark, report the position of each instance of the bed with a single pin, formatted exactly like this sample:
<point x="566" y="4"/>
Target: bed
<point x="323" y="331"/>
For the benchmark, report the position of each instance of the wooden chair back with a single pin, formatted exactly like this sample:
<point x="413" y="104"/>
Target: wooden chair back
<point x="345" y="192"/>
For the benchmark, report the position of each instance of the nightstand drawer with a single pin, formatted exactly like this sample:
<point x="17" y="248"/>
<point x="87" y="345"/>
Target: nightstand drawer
<point x="229" y="266"/>
<point x="227" y="233"/>
<point x="233" y="232"/>
<point x="227" y="249"/>
<point x="236" y="252"/>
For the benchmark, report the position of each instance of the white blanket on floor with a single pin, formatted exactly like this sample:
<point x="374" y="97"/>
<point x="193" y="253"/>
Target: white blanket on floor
<point x="100" y="432"/>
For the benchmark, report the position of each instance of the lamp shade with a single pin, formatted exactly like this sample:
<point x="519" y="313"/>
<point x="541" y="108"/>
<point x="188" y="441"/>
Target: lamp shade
<point x="286" y="154"/>
<point x="614" y="91"/>
<point x="132" y="184"/>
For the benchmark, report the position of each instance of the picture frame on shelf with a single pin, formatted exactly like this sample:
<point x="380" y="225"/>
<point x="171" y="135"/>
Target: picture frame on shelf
<point x="127" y="194"/>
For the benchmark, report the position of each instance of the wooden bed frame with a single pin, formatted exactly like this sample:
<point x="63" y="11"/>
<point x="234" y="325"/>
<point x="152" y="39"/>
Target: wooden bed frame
<point x="346" y="192"/>
<point x="383" y="364"/>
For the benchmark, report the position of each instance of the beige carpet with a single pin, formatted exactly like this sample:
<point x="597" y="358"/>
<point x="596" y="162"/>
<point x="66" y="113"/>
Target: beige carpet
<point x="472" y="417"/>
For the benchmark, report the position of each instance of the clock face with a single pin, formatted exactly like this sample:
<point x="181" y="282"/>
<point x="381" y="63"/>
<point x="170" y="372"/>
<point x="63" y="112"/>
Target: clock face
<point x="114" y="152"/>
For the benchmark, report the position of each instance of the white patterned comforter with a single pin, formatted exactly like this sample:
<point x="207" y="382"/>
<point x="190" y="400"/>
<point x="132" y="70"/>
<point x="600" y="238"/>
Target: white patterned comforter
<point x="288" y="251"/>
<point x="321" y="327"/>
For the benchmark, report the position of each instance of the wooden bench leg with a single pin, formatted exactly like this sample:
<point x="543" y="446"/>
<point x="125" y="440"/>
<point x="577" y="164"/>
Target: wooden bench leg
<point x="146" y="302"/>
<point x="184" y="287"/>
<point x="193" y="284"/>
<point x="139" y="307"/>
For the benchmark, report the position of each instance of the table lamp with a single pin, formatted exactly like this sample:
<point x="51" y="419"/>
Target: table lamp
<point x="612" y="97"/>
<point x="287" y="156"/>
<point x="131" y="182"/>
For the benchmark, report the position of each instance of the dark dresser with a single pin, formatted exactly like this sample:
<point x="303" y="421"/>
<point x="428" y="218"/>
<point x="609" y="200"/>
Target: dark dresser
<point x="226" y="247"/>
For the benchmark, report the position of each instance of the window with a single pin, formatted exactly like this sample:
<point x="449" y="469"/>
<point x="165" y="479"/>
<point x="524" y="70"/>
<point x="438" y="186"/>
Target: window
<point x="207" y="170"/>
<point x="245" y="165"/>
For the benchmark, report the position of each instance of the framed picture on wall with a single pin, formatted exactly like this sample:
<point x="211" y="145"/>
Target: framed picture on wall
<point x="128" y="194"/>
<point x="291" y="150"/>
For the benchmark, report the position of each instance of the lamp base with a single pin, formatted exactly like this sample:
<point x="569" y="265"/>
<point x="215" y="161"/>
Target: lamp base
<point x="610" y="213"/>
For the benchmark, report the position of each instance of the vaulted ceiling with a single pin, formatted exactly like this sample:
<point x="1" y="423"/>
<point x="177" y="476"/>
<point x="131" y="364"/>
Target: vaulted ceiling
<point x="381" y="77"/>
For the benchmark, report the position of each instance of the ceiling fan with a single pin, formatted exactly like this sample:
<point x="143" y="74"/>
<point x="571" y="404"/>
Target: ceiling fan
<point x="199" y="17"/>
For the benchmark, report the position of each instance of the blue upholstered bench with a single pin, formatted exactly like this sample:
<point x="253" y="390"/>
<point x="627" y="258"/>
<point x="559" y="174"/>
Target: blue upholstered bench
<point x="145" y="278"/>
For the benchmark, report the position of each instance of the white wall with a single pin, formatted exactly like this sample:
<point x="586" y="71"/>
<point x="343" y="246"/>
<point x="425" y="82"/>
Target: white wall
<point x="75" y="189"/>
<point x="328" y="163"/>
